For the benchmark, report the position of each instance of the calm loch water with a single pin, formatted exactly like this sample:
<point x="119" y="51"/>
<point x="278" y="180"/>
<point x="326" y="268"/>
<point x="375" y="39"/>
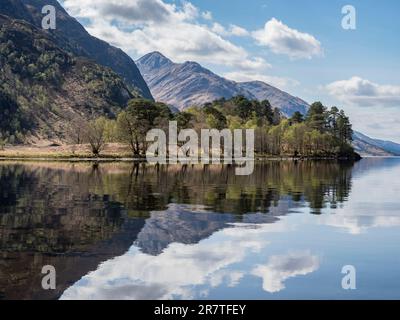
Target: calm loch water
<point x="120" y="231"/>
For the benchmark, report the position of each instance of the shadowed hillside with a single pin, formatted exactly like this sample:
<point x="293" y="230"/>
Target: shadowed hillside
<point x="43" y="88"/>
<point x="72" y="36"/>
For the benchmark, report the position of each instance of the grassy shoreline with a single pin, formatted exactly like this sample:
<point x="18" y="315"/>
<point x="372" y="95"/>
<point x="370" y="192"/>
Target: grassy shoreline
<point x="114" y="152"/>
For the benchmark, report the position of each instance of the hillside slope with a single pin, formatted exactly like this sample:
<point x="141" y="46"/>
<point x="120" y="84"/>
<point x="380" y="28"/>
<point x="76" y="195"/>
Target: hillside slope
<point x="374" y="147"/>
<point x="71" y="36"/>
<point x="187" y="84"/>
<point x="43" y="88"/>
<point x="287" y="103"/>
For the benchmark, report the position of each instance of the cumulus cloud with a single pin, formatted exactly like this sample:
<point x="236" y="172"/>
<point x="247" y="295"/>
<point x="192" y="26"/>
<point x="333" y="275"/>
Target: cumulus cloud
<point x="362" y="92"/>
<point x="139" y="11"/>
<point x="218" y="28"/>
<point x="142" y="26"/>
<point x="238" y="31"/>
<point x="282" y="267"/>
<point x="207" y="15"/>
<point x="283" y="40"/>
<point x="279" y="82"/>
<point x="233" y="30"/>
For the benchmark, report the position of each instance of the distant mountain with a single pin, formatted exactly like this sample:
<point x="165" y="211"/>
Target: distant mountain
<point x="374" y="147"/>
<point x="186" y="84"/>
<point x="284" y="101"/>
<point x="43" y="87"/>
<point x="71" y="36"/>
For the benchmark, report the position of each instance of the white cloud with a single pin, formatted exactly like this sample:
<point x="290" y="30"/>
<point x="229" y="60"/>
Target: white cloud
<point x="379" y="123"/>
<point x="137" y="11"/>
<point x="282" y="267"/>
<point x="363" y="92"/>
<point x="279" y="82"/>
<point x="207" y="15"/>
<point x="238" y="31"/>
<point x="142" y="26"/>
<point x="189" y="11"/>
<point x="219" y="29"/>
<point x="283" y="40"/>
<point x="233" y="30"/>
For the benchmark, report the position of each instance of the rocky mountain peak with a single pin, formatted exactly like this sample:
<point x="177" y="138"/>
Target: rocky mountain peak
<point x="155" y="60"/>
<point x="189" y="83"/>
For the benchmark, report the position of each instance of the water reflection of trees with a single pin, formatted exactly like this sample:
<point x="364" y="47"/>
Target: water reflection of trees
<point x="82" y="204"/>
<point x="74" y="216"/>
<point x="218" y="188"/>
<point x="51" y="216"/>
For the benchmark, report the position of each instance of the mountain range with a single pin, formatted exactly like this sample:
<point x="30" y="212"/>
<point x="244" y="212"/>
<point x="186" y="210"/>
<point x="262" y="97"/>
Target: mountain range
<point x="182" y="85"/>
<point x="367" y="146"/>
<point x="50" y="77"/>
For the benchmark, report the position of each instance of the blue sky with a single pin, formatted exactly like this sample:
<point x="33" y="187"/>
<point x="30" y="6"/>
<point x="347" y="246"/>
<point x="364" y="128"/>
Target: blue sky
<point x="298" y="46"/>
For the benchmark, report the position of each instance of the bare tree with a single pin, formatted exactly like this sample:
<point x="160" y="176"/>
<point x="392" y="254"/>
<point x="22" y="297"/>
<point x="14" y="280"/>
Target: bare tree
<point x="76" y="131"/>
<point x="3" y="141"/>
<point x="95" y="135"/>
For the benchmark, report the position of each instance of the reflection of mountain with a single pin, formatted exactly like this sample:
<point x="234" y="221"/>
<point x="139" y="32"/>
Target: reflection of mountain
<point x="184" y="224"/>
<point x="46" y="219"/>
<point x="20" y="276"/>
<point x="374" y="164"/>
<point x="75" y="215"/>
<point x="178" y="270"/>
<point x="179" y="225"/>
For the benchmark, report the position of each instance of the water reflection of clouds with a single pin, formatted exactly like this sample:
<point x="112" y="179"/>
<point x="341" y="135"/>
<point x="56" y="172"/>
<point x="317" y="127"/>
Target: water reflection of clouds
<point x="357" y="224"/>
<point x="366" y="210"/>
<point x="185" y="271"/>
<point x="282" y="267"/>
<point x="189" y="270"/>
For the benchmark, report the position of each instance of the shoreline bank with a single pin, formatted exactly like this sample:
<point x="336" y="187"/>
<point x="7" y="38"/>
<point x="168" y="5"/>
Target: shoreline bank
<point x="118" y="152"/>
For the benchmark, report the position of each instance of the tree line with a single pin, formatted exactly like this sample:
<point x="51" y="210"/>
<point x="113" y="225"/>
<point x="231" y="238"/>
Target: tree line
<point x="322" y="132"/>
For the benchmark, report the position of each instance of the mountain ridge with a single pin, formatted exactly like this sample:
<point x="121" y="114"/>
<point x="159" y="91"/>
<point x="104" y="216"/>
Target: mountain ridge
<point x="71" y="36"/>
<point x="173" y="82"/>
<point x="43" y="88"/>
<point x="185" y="84"/>
<point x="375" y="147"/>
<point x="287" y="103"/>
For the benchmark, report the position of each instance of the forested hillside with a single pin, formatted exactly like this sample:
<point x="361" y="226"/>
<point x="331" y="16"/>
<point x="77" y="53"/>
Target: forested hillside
<point x="71" y="36"/>
<point x="43" y="88"/>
